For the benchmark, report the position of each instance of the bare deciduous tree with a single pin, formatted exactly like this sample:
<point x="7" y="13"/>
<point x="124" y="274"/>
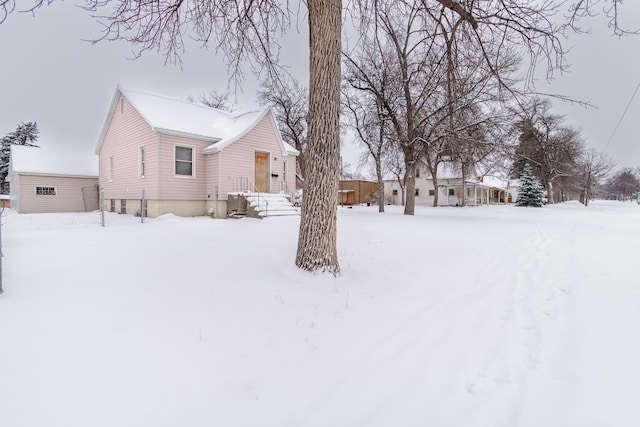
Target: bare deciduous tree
<point x="551" y="148"/>
<point x="625" y="184"/>
<point x="594" y="166"/>
<point x="367" y="119"/>
<point x="214" y="99"/>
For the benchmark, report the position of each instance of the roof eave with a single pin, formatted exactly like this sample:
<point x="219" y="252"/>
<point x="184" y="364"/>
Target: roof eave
<point x="172" y="132"/>
<point x="57" y="174"/>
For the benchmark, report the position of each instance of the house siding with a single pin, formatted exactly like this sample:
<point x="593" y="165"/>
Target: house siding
<point x="237" y="160"/>
<point x="68" y="197"/>
<point x="14" y="192"/>
<point x="126" y="133"/>
<point x="212" y="172"/>
<point x="175" y="187"/>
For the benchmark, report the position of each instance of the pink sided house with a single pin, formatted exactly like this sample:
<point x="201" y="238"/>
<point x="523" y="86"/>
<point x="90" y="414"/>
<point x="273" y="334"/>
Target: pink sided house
<point x="188" y="158"/>
<point x="43" y="180"/>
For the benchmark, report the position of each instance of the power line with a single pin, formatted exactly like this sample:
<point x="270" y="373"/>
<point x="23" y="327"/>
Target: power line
<point x="621" y="117"/>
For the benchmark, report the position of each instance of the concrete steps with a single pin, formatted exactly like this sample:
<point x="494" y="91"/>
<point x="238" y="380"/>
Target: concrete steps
<point x="262" y="205"/>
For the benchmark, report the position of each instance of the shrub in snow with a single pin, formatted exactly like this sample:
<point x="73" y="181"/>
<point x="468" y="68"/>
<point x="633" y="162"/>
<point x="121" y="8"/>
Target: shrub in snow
<point x="530" y="192"/>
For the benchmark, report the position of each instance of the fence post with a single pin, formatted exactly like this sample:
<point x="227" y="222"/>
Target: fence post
<point x="102" y="206"/>
<point x="142" y="208"/>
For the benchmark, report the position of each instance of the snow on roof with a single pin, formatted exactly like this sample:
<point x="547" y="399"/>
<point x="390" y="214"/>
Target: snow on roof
<point x="48" y="161"/>
<point x="167" y="114"/>
<point x="174" y="116"/>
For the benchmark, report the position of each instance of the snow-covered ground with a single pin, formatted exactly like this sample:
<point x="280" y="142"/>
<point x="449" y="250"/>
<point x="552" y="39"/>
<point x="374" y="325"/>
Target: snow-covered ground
<point x="488" y="316"/>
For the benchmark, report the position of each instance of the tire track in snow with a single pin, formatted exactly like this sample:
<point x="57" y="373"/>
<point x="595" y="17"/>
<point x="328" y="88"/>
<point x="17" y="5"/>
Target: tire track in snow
<point x="483" y="357"/>
<point x="534" y="297"/>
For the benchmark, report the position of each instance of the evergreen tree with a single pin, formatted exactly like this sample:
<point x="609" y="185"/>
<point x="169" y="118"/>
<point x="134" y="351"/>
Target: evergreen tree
<point x="25" y="134"/>
<point x="530" y="193"/>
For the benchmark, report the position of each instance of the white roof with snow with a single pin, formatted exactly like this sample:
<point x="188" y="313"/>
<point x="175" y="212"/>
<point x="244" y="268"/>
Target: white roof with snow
<point x="47" y="161"/>
<point x="178" y="117"/>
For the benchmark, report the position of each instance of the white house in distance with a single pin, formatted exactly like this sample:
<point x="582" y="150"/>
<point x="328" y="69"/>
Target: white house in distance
<point x="187" y="157"/>
<point x="45" y="180"/>
<point x="480" y="191"/>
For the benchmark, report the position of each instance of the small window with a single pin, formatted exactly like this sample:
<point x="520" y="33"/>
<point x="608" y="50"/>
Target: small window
<point x="45" y="191"/>
<point x="184" y="161"/>
<point x="284" y="171"/>
<point x="417" y="191"/>
<point x="394" y="192"/>
<point x="452" y="192"/>
<point x="113" y="205"/>
<point x="143" y="208"/>
<point x="432" y="192"/>
<point x="417" y="174"/>
<point x="123" y="206"/>
<point x="141" y="162"/>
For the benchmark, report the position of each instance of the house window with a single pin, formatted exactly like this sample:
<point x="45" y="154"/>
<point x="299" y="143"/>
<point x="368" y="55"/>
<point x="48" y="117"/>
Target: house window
<point x="141" y="162"/>
<point x="143" y="208"/>
<point x="432" y="192"/>
<point x="184" y="161"/>
<point x="394" y="192"/>
<point x="123" y="206"/>
<point x="452" y="192"/>
<point x="417" y="174"/>
<point x="284" y="171"/>
<point x="45" y="191"/>
<point x="113" y="205"/>
<point x="417" y="191"/>
<point x="110" y="171"/>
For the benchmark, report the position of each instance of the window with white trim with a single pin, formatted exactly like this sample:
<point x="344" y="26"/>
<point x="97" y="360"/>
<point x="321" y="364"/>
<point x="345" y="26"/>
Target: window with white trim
<point x="184" y="161"/>
<point x="284" y="171"/>
<point x="141" y="162"/>
<point x="45" y="191"/>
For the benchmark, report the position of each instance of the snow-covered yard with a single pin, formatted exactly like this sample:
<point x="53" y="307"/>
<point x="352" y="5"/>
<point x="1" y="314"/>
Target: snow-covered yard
<point x="489" y="316"/>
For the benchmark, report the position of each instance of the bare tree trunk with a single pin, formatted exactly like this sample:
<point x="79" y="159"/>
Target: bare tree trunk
<point x="318" y="225"/>
<point x="550" y="199"/>
<point x="380" y="184"/>
<point x="410" y="183"/>
<point x="464" y="187"/>
<point x="434" y="180"/>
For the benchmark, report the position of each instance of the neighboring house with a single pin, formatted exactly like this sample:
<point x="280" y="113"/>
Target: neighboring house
<point x="188" y="157"/>
<point x="485" y="190"/>
<point x="45" y="180"/>
<point x="356" y="191"/>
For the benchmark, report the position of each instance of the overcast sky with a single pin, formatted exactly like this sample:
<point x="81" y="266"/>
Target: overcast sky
<point x="51" y="76"/>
